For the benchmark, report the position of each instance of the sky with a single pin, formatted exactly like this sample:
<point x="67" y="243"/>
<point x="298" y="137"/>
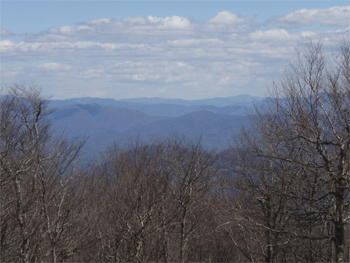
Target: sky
<point x="169" y="49"/>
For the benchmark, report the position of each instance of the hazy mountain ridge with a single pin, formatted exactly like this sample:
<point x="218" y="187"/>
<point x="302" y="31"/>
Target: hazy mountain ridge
<point x="103" y="121"/>
<point x="237" y="105"/>
<point x="217" y="102"/>
<point x="103" y="125"/>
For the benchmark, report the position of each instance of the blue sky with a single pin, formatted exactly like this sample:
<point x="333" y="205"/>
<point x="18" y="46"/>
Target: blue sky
<point x="171" y="49"/>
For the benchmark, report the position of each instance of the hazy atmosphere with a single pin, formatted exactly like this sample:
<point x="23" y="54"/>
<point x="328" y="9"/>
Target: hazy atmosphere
<point x="169" y="49"/>
<point x="175" y="131"/>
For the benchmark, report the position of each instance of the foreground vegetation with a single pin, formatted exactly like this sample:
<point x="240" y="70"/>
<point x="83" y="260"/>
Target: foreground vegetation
<point x="280" y="194"/>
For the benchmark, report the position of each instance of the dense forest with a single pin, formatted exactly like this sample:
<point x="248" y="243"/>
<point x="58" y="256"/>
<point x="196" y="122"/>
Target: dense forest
<point x="279" y="194"/>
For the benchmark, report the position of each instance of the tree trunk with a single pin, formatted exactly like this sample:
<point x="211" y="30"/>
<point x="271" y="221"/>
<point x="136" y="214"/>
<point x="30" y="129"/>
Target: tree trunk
<point x="339" y="224"/>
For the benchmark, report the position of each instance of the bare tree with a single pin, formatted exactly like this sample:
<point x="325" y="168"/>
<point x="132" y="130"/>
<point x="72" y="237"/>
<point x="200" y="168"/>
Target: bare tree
<point x="153" y="201"/>
<point x="34" y="167"/>
<point x="130" y="202"/>
<point x="305" y="128"/>
<point x="192" y="177"/>
<point x="262" y="213"/>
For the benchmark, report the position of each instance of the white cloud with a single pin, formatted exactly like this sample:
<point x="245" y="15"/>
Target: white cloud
<point x="174" y="22"/>
<point x="146" y="29"/>
<point x="193" y="42"/>
<point x="152" y="56"/>
<point x="53" y="67"/>
<point x="271" y="35"/>
<point x="226" y="17"/>
<point x="6" y="44"/>
<point x="67" y="30"/>
<point x="101" y="21"/>
<point x="333" y="16"/>
<point x="308" y="34"/>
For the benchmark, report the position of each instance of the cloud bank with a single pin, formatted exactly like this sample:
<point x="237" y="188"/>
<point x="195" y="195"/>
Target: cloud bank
<point x="334" y="16"/>
<point x="173" y="57"/>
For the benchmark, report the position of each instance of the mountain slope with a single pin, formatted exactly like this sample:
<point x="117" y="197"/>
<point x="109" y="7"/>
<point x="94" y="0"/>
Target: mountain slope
<point x="103" y="125"/>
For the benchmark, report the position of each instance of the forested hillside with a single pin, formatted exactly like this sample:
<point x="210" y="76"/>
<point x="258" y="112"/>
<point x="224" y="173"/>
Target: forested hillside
<point x="279" y="193"/>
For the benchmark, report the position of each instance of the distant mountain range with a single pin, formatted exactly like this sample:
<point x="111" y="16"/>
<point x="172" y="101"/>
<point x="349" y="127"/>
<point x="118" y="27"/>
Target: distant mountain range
<point x="238" y="105"/>
<point x="103" y="121"/>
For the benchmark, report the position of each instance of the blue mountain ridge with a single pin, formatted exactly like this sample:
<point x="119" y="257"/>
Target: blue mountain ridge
<point x="102" y="126"/>
<point x="238" y="105"/>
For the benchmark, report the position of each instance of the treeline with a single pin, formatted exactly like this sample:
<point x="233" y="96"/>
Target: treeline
<point x="279" y="194"/>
